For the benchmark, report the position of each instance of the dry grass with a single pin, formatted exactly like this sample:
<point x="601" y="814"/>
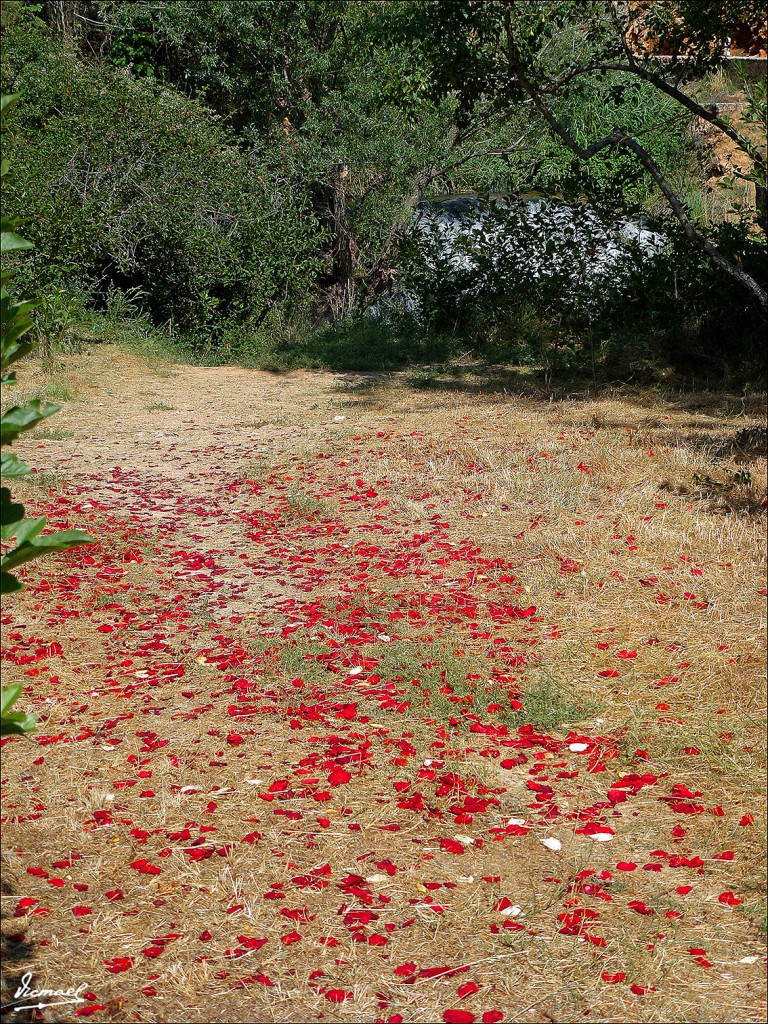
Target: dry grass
<point x="626" y="554"/>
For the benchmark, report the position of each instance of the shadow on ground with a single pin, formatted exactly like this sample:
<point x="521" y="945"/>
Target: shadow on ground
<point x="16" y="953"/>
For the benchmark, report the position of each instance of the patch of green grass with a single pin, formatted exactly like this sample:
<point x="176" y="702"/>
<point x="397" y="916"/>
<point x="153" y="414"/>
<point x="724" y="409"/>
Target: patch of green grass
<point x="682" y="747"/>
<point x="444" y="683"/>
<point x="50" y="434"/>
<point x="257" y="470"/>
<point x="160" y="407"/>
<point x="126" y="323"/>
<point x="53" y="390"/>
<point x="296" y="661"/>
<point x="547" y="705"/>
<point x="363" y="387"/>
<point x="348" y="403"/>
<point x="42" y="480"/>
<point x="422" y="380"/>
<point x="757" y="912"/>
<point x="259" y="646"/>
<point x="303" y="504"/>
<point x="275" y="421"/>
<point x="720" y="86"/>
<point x="359" y="343"/>
<point x="448" y="682"/>
<point x="632" y="734"/>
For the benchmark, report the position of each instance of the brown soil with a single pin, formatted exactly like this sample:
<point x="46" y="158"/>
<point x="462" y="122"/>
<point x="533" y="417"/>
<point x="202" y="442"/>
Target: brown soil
<point x="589" y="498"/>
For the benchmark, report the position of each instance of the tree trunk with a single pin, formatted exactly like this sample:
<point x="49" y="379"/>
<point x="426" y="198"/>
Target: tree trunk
<point x="344" y="292"/>
<point x="60" y="15"/>
<point x="761" y="205"/>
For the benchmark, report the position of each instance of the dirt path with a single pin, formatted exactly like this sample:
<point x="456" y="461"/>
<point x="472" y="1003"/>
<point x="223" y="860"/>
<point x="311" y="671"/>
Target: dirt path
<point x="345" y="656"/>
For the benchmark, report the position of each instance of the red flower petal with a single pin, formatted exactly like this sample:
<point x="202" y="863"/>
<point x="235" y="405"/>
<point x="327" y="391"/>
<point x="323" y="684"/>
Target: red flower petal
<point x="451" y="846"/>
<point x="468" y="989"/>
<point x="118" y="964"/>
<point x="338" y="995"/>
<point x="144" y="867"/>
<point x="640" y="907"/>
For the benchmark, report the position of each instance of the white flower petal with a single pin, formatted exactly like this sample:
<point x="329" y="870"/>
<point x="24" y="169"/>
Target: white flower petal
<point x="513" y="911"/>
<point x="551" y="843"/>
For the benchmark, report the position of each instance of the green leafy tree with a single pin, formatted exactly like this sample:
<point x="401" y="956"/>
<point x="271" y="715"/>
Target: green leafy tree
<point x="256" y="62"/>
<point x="135" y="183"/>
<point x="299" y="81"/>
<point x="503" y="53"/>
<point x="22" y="537"/>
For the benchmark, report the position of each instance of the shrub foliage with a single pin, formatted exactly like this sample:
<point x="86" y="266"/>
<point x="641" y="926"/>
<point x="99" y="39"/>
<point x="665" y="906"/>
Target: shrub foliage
<point x="22" y="536"/>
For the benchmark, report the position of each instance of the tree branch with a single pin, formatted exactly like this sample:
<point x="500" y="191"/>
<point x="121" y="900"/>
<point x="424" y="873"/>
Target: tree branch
<point x="424" y="179"/>
<point x="619" y="138"/>
<point x="697" y="239"/>
<point x="709" y="114"/>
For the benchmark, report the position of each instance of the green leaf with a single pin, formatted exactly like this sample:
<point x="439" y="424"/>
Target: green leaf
<point x="17" y="723"/>
<point x="6" y="102"/>
<point x="18" y="327"/>
<point x="9" y="695"/>
<point x="26" y="530"/>
<point x="12" y="466"/>
<point x="8" y="583"/>
<point x="10" y="241"/>
<point x="9" y="311"/>
<point x="13" y="352"/>
<point x="14" y="722"/>
<point x="24" y="417"/>
<point x="11" y="514"/>
<point x="36" y="546"/>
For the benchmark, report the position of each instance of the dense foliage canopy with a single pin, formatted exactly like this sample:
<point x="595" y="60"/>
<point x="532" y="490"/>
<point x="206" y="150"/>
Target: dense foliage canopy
<point x="248" y="170"/>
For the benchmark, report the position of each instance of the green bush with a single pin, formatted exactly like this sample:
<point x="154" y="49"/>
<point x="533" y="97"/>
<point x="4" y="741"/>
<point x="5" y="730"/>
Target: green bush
<point x="143" y="187"/>
<point x="690" y="314"/>
<point x="360" y="343"/>
<point x="529" y="293"/>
